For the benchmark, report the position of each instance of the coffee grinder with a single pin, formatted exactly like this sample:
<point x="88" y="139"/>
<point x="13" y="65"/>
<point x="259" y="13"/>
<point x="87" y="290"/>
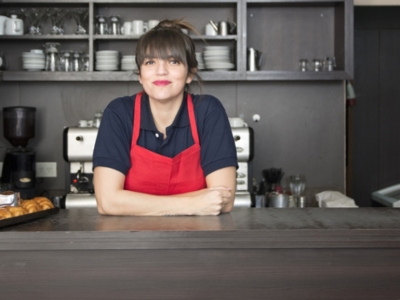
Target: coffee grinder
<point x="19" y="162"/>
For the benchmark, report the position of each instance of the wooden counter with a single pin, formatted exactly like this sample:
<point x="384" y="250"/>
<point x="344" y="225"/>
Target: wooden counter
<point x="248" y="254"/>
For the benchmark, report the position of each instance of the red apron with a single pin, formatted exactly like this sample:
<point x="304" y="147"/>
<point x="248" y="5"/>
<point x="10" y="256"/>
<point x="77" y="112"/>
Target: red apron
<point x="152" y="173"/>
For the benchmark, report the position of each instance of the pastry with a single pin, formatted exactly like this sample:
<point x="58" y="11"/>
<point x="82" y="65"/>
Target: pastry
<point x="43" y="202"/>
<point x="5" y="214"/>
<point x="31" y="206"/>
<point x="17" y="211"/>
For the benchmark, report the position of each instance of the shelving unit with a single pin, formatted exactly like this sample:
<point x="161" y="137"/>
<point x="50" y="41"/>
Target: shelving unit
<point x="283" y="30"/>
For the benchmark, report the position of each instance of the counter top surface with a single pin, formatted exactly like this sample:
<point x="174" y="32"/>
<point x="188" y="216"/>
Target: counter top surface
<point x="242" y="228"/>
<point x="240" y="219"/>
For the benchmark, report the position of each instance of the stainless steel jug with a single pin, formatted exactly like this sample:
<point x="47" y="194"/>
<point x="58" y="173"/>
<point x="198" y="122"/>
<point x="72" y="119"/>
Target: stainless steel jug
<point x="253" y="59"/>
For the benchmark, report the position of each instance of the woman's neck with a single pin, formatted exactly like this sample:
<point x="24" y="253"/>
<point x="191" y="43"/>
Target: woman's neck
<point x="164" y="113"/>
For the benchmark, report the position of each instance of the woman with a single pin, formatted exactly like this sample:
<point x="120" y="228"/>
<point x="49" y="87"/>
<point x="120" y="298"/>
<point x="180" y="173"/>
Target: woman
<point x="164" y="151"/>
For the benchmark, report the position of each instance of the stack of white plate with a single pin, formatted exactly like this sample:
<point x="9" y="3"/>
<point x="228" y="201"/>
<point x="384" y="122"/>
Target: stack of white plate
<point x="33" y="60"/>
<point x="128" y="63"/>
<point x="217" y="58"/>
<point x="107" y="60"/>
<point x="200" y="61"/>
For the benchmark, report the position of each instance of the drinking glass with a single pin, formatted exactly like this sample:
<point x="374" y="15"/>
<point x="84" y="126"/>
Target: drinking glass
<point x="57" y="17"/>
<point x="297" y="184"/>
<point x="33" y="17"/>
<point x="80" y="16"/>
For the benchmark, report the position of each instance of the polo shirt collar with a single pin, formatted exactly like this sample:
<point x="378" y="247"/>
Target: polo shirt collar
<point x="146" y="118"/>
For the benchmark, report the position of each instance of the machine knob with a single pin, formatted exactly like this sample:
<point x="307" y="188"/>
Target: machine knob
<point x="79" y="138"/>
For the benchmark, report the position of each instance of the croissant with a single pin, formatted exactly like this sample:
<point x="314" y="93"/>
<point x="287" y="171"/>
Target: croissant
<point x="31" y="206"/>
<point x="5" y="214"/>
<point x="16" y="211"/>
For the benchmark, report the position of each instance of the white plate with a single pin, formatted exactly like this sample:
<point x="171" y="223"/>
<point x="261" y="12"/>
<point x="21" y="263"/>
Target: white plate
<point x="39" y="65"/>
<point x="33" y="60"/>
<point x="99" y="68"/>
<point x="128" y="69"/>
<point x="220" y="66"/>
<point x="217" y="59"/>
<point x="216" y="52"/>
<point x="129" y="57"/>
<point x="107" y="60"/>
<point x="32" y="55"/>
<point x="216" y="47"/>
<point x="107" y="52"/>
<point x="107" y="66"/>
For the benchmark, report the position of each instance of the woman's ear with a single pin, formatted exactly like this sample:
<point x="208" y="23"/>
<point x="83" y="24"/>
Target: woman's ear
<point x="191" y="75"/>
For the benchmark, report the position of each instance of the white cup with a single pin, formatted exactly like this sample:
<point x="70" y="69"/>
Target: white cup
<point x="138" y="27"/>
<point x="153" y="23"/>
<point x="237" y="122"/>
<point x="2" y="24"/>
<point x="126" y="29"/>
<point x="210" y="30"/>
<point x="83" y="123"/>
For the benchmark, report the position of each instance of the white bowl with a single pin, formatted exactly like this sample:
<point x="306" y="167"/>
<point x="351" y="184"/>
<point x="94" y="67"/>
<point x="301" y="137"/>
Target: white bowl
<point x="32" y="55"/>
<point x="37" y="51"/>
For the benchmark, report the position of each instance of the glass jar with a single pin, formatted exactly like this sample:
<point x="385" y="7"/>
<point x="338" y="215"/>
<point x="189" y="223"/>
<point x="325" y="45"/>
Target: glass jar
<point x="52" y="62"/>
<point x="76" y="62"/>
<point x="65" y="64"/>
<point x="3" y="64"/>
<point x="101" y="25"/>
<point x="115" y="25"/>
<point x="85" y="62"/>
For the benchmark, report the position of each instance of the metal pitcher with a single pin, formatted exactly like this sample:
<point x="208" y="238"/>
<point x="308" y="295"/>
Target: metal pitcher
<point x="253" y="59"/>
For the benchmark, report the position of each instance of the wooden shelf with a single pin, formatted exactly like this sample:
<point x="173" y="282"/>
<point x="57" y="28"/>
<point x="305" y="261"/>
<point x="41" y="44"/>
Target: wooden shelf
<point x="284" y="30"/>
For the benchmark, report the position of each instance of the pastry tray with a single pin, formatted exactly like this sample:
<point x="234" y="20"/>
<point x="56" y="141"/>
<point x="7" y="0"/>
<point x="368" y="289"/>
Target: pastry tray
<point x="29" y="217"/>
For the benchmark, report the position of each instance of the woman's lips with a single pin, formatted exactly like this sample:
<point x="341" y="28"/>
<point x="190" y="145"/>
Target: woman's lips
<point x="161" y="82"/>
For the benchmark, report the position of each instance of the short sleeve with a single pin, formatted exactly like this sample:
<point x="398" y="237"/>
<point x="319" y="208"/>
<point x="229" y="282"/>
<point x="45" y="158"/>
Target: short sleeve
<point x="113" y="143"/>
<point x="218" y="148"/>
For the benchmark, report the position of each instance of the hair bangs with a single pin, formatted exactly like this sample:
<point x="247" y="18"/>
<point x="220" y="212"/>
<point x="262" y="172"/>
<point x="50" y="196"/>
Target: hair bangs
<point x="162" y="44"/>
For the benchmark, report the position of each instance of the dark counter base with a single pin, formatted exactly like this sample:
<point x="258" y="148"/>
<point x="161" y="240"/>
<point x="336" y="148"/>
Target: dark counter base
<point x="250" y="254"/>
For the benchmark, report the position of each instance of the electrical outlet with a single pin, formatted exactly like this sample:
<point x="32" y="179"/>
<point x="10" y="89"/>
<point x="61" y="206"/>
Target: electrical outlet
<point x="46" y="169"/>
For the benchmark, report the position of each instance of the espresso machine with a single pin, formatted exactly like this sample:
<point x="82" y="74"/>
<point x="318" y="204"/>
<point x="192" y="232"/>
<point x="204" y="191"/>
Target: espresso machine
<point x="19" y="163"/>
<point x="78" y="149"/>
<point x="244" y="141"/>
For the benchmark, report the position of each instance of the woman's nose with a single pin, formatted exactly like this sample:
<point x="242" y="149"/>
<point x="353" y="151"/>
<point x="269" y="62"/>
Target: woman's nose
<point x="162" y="67"/>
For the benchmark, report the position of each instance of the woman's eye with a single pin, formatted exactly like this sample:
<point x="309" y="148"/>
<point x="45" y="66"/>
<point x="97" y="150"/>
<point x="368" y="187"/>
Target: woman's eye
<point x="149" y="62"/>
<point x="173" y="61"/>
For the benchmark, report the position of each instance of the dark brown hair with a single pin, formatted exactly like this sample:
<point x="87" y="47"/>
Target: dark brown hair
<point x="167" y="40"/>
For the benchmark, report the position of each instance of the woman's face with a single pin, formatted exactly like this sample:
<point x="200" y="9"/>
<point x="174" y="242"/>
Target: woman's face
<point x="164" y="80"/>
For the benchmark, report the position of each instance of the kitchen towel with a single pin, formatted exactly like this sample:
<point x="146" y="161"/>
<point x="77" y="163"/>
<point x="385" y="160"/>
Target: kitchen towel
<point x="334" y="199"/>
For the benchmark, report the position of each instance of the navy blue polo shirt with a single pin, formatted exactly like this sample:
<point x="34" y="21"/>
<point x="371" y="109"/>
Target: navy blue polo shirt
<point x="114" y="138"/>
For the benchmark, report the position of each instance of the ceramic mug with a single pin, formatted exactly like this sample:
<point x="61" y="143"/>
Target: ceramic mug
<point x="2" y="24"/>
<point x="138" y="27"/>
<point x="210" y="30"/>
<point x="126" y="29"/>
<point x="14" y="26"/>
<point x="153" y="23"/>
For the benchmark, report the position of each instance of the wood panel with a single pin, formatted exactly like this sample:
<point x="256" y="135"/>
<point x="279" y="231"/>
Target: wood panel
<point x="297" y="274"/>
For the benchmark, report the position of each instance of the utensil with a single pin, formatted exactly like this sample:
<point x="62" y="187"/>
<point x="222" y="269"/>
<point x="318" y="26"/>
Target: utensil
<point x="273" y="177"/>
<point x="253" y="59"/>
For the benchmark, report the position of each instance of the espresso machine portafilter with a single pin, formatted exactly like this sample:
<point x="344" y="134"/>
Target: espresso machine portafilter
<point x="78" y="153"/>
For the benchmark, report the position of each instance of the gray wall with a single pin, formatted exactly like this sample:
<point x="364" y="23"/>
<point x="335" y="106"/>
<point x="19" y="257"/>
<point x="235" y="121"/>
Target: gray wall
<point x="302" y="126"/>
